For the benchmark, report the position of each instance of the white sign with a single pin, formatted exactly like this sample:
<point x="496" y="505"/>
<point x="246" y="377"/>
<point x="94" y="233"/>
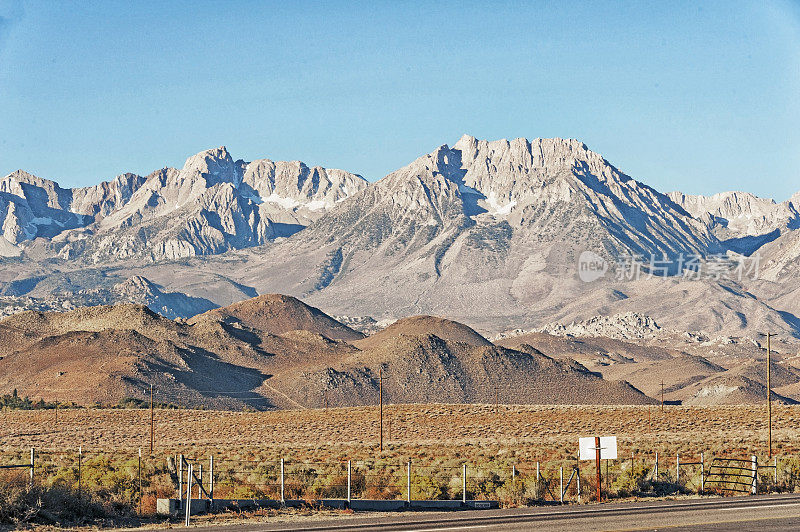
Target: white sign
<point x="608" y="448"/>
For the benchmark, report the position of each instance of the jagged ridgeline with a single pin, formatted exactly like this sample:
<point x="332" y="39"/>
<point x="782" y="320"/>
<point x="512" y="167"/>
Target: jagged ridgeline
<point x="488" y="233"/>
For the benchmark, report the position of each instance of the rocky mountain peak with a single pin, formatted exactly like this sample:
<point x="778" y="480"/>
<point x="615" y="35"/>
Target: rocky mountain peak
<point x="204" y="170"/>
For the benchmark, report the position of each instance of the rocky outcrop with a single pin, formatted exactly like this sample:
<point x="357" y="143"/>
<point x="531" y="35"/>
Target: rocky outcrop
<point x="741" y="214"/>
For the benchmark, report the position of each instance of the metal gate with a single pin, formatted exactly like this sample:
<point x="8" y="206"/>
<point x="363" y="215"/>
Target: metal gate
<point x="732" y="475"/>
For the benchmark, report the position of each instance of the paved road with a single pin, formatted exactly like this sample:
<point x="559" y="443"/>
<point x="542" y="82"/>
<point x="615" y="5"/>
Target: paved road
<point x="758" y="513"/>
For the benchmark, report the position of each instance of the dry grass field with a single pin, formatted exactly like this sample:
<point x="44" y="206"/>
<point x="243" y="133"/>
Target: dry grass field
<point x="527" y="432"/>
<point x="438" y="439"/>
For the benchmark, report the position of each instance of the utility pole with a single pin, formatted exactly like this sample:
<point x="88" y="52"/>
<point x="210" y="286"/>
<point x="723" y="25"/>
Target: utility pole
<point x="152" y="420"/>
<point x="380" y="402"/>
<point x="769" y="391"/>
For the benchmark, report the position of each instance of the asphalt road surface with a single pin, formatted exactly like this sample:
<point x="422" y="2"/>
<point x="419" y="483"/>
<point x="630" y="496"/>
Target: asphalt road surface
<point x="757" y="513"/>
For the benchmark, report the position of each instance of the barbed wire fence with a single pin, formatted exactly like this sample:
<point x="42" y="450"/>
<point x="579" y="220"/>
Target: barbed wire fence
<point x="136" y="480"/>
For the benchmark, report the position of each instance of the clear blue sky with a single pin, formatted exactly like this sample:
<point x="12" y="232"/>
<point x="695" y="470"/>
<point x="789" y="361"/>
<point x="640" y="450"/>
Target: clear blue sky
<point x="702" y="97"/>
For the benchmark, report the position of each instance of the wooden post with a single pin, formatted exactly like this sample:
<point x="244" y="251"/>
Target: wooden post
<point x="464" y="486"/>
<point x="188" y="493"/>
<point x="283" y="485"/>
<point x="408" y="482"/>
<point x="33" y="463"/>
<point x="597" y="459"/>
<point x="349" y="483"/>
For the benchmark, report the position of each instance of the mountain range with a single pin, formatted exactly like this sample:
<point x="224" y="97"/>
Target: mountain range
<point x="488" y="233"/>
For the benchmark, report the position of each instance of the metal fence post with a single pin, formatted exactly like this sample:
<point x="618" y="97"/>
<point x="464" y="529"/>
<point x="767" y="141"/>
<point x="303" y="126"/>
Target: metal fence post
<point x="180" y="477"/>
<point x="677" y="468"/>
<point x="754" y="465"/>
<point x="656" y="471"/>
<point x="200" y="481"/>
<point x="464" y="486"/>
<point x="513" y="476"/>
<point x="139" y="474"/>
<point x="33" y="462"/>
<point x="283" y="485"/>
<point x="188" y="493"/>
<point x="776" y="472"/>
<point x="536" y="494"/>
<point x="349" y="483"/>
<point x="702" y="473"/>
<point x="561" y="489"/>
<point x="408" y="482"/>
<point x="80" y="459"/>
<point x="211" y="476"/>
